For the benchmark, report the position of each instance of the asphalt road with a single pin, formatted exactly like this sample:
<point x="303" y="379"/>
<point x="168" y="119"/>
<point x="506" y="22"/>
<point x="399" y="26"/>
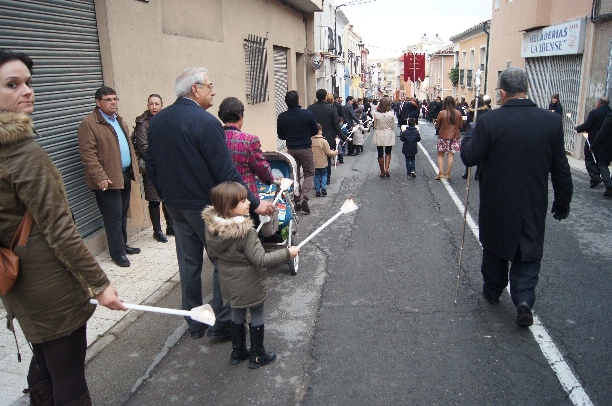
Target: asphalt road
<point x="371" y="318"/>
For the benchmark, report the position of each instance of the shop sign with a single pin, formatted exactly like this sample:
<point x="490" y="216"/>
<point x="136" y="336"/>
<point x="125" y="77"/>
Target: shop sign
<point x="560" y="39"/>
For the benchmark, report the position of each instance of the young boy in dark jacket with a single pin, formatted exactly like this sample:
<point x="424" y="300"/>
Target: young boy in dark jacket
<point x="410" y="136"/>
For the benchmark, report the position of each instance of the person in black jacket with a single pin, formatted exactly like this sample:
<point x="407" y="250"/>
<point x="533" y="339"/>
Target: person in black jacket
<point x="326" y="115"/>
<point x="410" y="137"/>
<point x="410" y="110"/>
<point x="592" y="125"/>
<point x="602" y="147"/>
<point x="555" y="105"/>
<point x="296" y="126"/>
<point x="338" y="106"/>
<point x="434" y="108"/>
<point x="526" y="142"/>
<point x="351" y="120"/>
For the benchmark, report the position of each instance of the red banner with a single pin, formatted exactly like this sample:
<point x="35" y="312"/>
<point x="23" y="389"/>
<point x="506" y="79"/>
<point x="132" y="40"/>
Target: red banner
<point x="414" y="67"/>
<point x="421" y="63"/>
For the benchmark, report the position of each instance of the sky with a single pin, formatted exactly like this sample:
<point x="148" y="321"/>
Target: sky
<point x="388" y="26"/>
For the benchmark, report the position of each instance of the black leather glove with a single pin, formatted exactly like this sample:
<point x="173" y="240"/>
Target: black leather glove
<point x="559" y="212"/>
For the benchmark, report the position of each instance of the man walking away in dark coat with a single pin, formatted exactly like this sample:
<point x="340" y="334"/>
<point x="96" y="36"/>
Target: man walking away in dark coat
<point x="351" y="120"/>
<point x="592" y="125"/>
<point x="434" y="108"/>
<point x="517" y="145"/>
<point x="410" y="109"/>
<point x="296" y="126"/>
<point x="602" y="147"/>
<point x="326" y="115"/>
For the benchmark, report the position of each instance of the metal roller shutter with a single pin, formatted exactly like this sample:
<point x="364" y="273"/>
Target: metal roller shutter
<point x="557" y="74"/>
<point x="62" y="39"/>
<point x="280" y="84"/>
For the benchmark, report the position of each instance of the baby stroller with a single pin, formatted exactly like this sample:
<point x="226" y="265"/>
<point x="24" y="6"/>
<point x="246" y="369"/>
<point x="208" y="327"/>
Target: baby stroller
<point x="282" y="164"/>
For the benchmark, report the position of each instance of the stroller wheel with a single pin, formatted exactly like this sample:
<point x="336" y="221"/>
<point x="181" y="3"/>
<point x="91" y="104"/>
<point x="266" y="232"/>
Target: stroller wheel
<point x="294" y="263"/>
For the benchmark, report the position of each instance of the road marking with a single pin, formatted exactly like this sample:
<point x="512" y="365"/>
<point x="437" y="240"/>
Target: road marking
<point x="555" y="359"/>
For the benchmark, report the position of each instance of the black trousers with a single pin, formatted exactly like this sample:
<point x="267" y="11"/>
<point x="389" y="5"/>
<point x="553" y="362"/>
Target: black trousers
<point x="63" y="362"/>
<point x="114" y="205"/>
<point x="590" y="165"/>
<point x="523" y="277"/>
<point x="190" y="242"/>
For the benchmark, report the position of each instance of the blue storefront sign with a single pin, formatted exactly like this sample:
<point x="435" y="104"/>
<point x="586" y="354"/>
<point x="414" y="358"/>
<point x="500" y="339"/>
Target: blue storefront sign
<point x="561" y="39"/>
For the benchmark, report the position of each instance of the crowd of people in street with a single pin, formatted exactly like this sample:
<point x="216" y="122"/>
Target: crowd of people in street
<point x="201" y="173"/>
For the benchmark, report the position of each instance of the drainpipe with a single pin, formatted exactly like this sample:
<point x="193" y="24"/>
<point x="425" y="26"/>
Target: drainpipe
<point x="486" y="72"/>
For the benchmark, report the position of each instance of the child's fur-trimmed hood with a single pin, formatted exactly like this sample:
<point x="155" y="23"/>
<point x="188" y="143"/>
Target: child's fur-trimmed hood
<point x="235" y="227"/>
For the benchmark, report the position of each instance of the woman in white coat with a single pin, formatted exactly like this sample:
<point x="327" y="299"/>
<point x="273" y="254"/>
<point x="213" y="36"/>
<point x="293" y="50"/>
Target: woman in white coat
<point x="384" y="135"/>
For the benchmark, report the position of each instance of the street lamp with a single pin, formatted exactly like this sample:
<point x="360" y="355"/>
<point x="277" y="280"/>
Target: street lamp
<point x="477" y="82"/>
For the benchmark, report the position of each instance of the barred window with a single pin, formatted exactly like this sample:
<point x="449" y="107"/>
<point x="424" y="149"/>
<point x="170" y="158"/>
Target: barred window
<point x="256" y="61"/>
<point x="469" y="77"/>
<point x="461" y="74"/>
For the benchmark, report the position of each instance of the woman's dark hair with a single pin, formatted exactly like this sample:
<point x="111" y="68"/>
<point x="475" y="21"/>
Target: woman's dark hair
<point x="384" y="105"/>
<point x="449" y="106"/>
<point x="155" y="95"/>
<point x="226" y="196"/>
<point x="6" y="55"/>
<point x="231" y="110"/>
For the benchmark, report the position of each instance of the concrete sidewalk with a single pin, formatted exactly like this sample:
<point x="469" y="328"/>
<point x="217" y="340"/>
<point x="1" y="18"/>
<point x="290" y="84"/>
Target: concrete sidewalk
<point x="152" y="274"/>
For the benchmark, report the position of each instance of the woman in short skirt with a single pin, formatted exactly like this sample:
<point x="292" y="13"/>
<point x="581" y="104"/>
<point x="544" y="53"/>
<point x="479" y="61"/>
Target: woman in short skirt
<point x="448" y="126"/>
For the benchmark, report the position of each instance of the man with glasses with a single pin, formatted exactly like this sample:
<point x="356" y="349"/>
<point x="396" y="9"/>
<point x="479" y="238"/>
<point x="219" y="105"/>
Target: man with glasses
<point x="110" y="166"/>
<point x="186" y="157"/>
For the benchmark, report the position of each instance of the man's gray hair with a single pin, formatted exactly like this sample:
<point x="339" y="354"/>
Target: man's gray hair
<point x="604" y="100"/>
<point x="188" y="78"/>
<point x="513" y="81"/>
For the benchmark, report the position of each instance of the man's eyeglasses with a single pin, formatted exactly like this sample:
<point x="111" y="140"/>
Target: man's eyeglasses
<point x="110" y="99"/>
<point x="209" y="85"/>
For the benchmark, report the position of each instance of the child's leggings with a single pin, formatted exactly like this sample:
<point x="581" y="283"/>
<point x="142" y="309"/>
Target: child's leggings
<point x="257" y="315"/>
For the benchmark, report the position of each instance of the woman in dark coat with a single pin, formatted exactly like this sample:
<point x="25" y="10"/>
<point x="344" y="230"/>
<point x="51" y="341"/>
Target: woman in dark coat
<point x="555" y="105"/>
<point x="140" y="140"/>
<point x="57" y="273"/>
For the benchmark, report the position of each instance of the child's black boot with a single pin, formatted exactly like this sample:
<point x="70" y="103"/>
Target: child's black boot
<point x="258" y="355"/>
<point x="239" y="349"/>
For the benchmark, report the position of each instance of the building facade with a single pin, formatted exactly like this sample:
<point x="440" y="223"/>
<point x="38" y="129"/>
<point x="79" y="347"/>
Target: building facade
<point x="328" y="62"/>
<point x="564" y="45"/>
<point x="470" y="49"/>
<point x="439" y="67"/>
<point x="139" y="48"/>
<point x="354" y="65"/>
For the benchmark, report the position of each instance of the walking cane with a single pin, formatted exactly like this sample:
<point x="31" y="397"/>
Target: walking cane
<point x="467" y="187"/>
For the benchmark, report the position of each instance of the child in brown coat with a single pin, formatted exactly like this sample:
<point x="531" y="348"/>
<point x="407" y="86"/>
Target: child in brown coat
<point x="320" y="152"/>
